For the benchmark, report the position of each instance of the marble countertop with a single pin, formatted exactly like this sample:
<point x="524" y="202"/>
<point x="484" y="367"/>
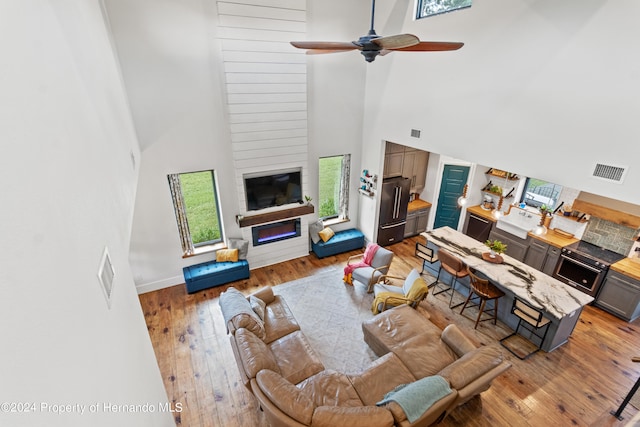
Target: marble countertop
<point x="538" y="289"/>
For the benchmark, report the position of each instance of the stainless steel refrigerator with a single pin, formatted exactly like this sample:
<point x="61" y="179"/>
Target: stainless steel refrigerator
<point x="393" y="210"/>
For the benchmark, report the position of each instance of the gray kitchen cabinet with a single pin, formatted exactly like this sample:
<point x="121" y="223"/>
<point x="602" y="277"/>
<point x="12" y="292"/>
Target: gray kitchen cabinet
<point x="620" y="296"/>
<point x="553" y="255"/>
<point x="419" y="174"/>
<point x="536" y="254"/>
<point x="416" y="222"/>
<point x="407" y="162"/>
<point x="393" y="165"/>
<point x="516" y="247"/>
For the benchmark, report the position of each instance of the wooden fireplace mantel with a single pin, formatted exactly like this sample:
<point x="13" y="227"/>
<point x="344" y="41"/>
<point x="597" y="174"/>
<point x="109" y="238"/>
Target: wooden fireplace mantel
<point x="275" y="215"/>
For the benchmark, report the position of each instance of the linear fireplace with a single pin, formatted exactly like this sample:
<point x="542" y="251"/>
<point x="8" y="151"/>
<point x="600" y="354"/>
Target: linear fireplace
<point x="274" y="232"/>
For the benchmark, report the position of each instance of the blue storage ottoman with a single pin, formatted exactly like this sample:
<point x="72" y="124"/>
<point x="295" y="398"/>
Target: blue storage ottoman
<point x="209" y="274"/>
<point x="342" y="241"/>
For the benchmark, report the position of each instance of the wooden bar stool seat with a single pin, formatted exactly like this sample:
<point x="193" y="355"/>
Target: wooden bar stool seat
<point x="482" y="290"/>
<point x="456" y="268"/>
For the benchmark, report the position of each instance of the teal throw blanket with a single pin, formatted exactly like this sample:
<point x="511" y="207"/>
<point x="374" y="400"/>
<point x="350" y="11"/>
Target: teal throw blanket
<point x="416" y="397"/>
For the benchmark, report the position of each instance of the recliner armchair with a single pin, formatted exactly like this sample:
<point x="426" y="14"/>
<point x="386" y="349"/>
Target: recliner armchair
<point x="387" y="295"/>
<point x="368" y="274"/>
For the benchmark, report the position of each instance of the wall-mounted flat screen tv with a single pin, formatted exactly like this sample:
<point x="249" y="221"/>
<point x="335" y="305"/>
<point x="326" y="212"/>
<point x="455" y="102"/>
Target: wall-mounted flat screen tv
<point x="275" y="188"/>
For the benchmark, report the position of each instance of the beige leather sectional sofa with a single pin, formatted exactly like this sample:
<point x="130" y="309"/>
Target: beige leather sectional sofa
<point x="293" y="388"/>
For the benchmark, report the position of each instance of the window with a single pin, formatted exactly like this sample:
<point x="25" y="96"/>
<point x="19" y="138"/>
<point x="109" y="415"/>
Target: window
<point x="538" y="192"/>
<point x="435" y="7"/>
<point x="195" y="201"/>
<point x="333" y="193"/>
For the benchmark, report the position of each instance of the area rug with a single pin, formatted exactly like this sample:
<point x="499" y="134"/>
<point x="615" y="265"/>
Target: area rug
<point x="330" y="314"/>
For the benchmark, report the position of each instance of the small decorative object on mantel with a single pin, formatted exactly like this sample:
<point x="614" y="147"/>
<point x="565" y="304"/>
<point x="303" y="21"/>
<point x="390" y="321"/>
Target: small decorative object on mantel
<point x="368" y="183"/>
<point x="496" y="247"/>
<point x="308" y="200"/>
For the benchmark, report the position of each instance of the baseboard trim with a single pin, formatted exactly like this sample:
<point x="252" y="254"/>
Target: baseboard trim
<point x="159" y="284"/>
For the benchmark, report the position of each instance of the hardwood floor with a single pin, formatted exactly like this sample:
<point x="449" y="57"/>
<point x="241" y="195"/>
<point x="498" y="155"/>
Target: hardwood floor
<point x="577" y="384"/>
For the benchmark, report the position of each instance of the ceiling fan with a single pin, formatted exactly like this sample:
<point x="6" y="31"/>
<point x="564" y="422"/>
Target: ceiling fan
<point x="373" y="45"/>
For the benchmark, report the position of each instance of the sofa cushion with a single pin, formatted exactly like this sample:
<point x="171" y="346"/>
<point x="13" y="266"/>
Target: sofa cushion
<point x="314" y="230"/>
<point x="330" y="388"/>
<point x="241" y="245"/>
<point x="295" y="358"/>
<point x="394" y="326"/>
<point x="471" y="366"/>
<point x="237" y="313"/>
<point x="362" y="416"/>
<point x="326" y="234"/>
<point x="230" y="255"/>
<point x="255" y="354"/>
<point x="408" y="282"/>
<point x="286" y="396"/>
<point x="424" y="355"/>
<point x="383" y="375"/>
<point x="278" y="320"/>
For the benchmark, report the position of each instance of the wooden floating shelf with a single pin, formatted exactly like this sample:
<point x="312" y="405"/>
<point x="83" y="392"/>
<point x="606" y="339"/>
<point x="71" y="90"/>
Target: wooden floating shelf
<point x="248" y="221"/>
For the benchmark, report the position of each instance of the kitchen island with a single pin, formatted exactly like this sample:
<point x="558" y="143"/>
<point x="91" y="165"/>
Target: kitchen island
<point x="560" y="303"/>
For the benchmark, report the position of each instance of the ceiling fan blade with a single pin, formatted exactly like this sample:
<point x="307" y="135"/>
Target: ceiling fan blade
<point x="430" y="47"/>
<point x="324" y="51"/>
<point x="396" y="42"/>
<point x="331" y="46"/>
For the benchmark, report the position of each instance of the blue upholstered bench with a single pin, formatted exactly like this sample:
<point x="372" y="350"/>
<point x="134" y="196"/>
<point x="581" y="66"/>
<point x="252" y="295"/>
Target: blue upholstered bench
<point x="342" y="241"/>
<point x="209" y="274"/>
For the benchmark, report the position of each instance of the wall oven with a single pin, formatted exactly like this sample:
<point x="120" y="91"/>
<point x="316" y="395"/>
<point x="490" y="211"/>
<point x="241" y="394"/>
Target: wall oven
<point x="584" y="265"/>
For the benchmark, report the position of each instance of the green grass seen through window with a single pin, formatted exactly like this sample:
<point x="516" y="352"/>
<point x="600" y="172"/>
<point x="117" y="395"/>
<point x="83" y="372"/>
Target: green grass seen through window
<point x="329" y="186"/>
<point x="202" y="212"/>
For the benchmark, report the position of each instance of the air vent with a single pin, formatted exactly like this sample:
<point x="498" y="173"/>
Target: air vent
<point x="610" y="173"/>
<point x="415" y="133"/>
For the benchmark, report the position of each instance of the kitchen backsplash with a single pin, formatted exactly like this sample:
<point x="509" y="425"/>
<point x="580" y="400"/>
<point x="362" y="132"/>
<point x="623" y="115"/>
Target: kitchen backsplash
<point x="610" y="235"/>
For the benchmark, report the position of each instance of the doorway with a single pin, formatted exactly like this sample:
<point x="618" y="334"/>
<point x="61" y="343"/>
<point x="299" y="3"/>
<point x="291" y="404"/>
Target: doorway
<point x="454" y="178"/>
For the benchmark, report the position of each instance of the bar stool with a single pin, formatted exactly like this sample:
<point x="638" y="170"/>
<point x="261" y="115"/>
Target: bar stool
<point x="482" y="291"/>
<point x="531" y="319"/>
<point x="456" y="268"/>
<point x="426" y="254"/>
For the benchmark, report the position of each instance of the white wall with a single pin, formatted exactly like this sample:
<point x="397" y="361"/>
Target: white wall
<point x="68" y="162"/>
<point x="542" y="89"/>
<point x="173" y="68"/>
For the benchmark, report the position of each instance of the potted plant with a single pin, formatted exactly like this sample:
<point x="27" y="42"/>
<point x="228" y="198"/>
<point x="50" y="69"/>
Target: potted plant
<point x="495" y="247"/>
<point x="546" y="210"/>
<point x="308" y="200"/>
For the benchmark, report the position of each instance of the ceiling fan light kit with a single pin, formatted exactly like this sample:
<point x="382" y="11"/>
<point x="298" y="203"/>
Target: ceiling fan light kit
<point x="372" y="45"/>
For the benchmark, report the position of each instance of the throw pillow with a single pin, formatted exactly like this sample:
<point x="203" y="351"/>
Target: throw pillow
<point x="258" y="306"/>
<point x="326" y="234"/>
<point x="314" y="229"/>
<point x="241" y="245"/>
<point x="223" y="255"/>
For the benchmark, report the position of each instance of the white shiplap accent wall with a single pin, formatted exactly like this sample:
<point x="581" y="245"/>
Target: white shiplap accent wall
<point x="266" y="89"/>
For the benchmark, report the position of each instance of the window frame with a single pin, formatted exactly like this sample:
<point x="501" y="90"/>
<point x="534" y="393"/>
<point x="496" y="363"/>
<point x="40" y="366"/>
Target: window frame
<point x="343" y="190"/>
<point x="182" y="217"/>
<point x="556" y="188"/>
<point x="420" y="6"/>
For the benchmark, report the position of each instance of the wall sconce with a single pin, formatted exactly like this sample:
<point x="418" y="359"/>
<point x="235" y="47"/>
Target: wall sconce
<point x="462" y="200"/>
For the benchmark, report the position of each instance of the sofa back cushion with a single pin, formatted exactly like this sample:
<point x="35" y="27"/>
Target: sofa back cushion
<point x="237" y="313"/>
<point x="286" y="396"/>
<point x="359" y="416"/>
<point x="425" y="354"/>
<point x="254" y="353"/>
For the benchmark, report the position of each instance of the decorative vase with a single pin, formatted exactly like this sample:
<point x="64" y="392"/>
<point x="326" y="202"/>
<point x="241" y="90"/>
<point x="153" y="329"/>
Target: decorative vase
<point x="492" y="253"/>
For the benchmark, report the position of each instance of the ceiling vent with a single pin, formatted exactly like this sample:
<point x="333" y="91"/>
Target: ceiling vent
<point x="610" y="173"/>
<point x="415" y="133"/>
